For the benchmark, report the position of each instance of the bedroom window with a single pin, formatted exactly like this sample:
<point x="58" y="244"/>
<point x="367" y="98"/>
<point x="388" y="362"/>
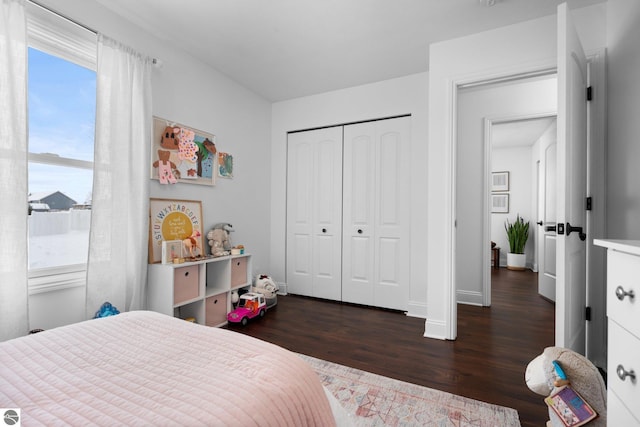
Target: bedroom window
<point x="61" y="108"/>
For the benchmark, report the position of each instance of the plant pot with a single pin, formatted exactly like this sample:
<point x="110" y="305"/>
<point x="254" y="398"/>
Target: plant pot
<point x="516" y="261"/>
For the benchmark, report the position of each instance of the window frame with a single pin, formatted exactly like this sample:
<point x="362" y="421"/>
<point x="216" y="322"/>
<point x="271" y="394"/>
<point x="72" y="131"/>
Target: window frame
<point x="58" y="36"/>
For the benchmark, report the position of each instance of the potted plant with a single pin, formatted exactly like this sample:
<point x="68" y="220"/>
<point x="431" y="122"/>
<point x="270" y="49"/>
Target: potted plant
<point x="517" y="234"/>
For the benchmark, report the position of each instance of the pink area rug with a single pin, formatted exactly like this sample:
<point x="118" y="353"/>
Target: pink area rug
<point x="375" y="400"/>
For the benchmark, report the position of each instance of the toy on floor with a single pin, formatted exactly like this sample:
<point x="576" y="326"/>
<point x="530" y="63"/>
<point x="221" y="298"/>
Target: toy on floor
<point x="558" y="368"/>
<point x="106" y="309"/>
<point x="266" y="286"/>
<point x="249" y="306"/>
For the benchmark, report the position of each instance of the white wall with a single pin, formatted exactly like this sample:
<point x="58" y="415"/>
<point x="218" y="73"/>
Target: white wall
<point x="623" y="86"/>
<point x="516" y="160"/>
<point x="505" y="51"/>
<point x="406" y="95"/>
<point x="194" y="94"/>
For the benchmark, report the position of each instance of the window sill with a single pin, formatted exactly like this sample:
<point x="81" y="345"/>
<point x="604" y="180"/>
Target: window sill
<point x="56" y="279"/>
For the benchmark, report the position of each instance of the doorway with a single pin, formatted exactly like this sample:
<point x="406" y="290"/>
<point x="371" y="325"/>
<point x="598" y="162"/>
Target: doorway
<point x="527" y="145"/>
<point x="480" y="109"/>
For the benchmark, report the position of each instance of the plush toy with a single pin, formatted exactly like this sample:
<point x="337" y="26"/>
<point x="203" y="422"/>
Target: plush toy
<point x="192" y="243"/>
<point x="542" y="378"/>
<point x="265" y="285"/>
<point x="170" y="138"/>
<point x="106" y="310"/>
<point x="165" y="167"/>
<point x="219" y="240"/>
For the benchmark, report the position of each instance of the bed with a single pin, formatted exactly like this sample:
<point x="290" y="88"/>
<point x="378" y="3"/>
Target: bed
<point x="145" y="368"/>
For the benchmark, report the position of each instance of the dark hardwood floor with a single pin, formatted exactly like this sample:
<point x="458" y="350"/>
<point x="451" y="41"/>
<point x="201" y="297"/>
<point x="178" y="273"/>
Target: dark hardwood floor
<point x="487" y="361"/>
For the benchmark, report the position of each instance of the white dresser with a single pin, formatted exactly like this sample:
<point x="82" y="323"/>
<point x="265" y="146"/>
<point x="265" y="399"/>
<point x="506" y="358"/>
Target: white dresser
<point x="623" y="312"/>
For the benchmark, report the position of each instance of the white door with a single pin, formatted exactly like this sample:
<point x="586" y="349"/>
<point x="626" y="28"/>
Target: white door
<point x="314" y="213"/>
<point x="572" y="163"/>
<point x="547" y="220"/>
<point x="376" y="213"/>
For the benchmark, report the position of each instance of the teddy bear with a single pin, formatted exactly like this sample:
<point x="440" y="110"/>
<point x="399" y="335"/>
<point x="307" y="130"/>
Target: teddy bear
<point x="542" y="378"/>
<point x="165" y="167"/>
<point x="170" y="138"/>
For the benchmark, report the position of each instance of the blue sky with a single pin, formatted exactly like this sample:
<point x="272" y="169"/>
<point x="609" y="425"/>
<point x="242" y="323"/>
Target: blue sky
<point x="62" y="103"/>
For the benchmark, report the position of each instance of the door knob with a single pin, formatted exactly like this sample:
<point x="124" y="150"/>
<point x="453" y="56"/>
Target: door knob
<point x="550" y="228"/>
<point x="621" y="293"/>
<point x="324" y="230"/>
<point x="539" y="222"/>
<point x="359" y="231"/>
<point x="571" y="229"/>
<point x="623" y="373"/>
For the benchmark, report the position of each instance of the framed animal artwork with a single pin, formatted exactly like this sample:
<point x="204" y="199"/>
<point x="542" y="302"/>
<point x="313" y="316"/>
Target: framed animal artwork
<point x="182" y="154"/>
<point x="175" y="220"/>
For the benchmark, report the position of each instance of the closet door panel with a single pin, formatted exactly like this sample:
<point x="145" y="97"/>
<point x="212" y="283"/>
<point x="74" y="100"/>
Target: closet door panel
<point x="314" y="207"/>
<point x="391" y="285"/>
<point x="358" y="213"/>
<point x="376" y="207"/>
<point x="299" y="215"/>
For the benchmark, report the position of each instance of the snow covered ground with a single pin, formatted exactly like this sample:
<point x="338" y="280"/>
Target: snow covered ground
<point x="58" y="249"/>
<point x="58" y="238"/>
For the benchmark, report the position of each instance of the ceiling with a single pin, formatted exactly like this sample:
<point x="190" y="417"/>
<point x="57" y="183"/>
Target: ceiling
<point x="284" y="49"/>
<point x="519" y="133"/>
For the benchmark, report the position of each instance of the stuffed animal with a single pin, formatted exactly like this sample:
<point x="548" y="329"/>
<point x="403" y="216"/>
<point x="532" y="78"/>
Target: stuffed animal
<point x="219" y="240"/>
<point x="542" y="378"/>
<point x="170" y="138"/>
<point x="165" y="167"/>
<point x="265" y="285"/>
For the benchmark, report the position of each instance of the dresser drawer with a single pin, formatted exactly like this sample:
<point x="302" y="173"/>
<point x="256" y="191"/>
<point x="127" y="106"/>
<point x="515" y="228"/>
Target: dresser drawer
<point x="618" y="414"/>
<point x="624" y="349"/>
<point x="185" y="284"/>
<point x="238" y="271"/>
<point x="624" y="270"/>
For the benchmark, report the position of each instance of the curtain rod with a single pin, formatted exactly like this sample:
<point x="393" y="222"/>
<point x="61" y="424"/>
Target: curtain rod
<point x="73" y="21"/>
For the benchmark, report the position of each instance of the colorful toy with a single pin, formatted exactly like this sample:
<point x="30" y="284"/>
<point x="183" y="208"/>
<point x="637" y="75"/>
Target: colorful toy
<point x="249" y="306"/>
<point x="191" y="243"/>
<point x="557" y="368"/>
<point x="106" y="309"/>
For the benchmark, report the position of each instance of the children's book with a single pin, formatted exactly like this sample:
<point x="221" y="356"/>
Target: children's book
<point x="570" y="407"/>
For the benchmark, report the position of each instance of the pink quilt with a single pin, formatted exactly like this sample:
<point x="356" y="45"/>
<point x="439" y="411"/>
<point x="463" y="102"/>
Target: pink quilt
<point x="147" y="369"/>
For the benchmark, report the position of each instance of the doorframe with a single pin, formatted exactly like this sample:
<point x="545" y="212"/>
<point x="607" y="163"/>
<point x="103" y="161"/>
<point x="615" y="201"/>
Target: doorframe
<point x="597" y="350"/>
<point x="489" y="121"/>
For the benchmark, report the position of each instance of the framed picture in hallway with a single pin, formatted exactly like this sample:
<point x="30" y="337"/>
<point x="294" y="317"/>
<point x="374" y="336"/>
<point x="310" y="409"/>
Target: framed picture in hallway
<point x="499" y="181"/>
<point x="500" y="203"/>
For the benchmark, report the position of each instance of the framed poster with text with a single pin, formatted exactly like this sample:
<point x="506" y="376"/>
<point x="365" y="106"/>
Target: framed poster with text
<point x="174" y="220"/>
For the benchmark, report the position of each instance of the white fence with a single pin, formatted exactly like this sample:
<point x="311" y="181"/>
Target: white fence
<point x="63" y="222"/>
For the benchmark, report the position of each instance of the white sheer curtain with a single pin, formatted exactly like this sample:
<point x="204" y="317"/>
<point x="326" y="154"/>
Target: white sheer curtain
<point x="118" y="240"/>
<point x="14" y="314"/>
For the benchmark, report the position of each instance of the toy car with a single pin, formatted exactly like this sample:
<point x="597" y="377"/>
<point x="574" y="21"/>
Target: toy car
<point x="249" y="306"/>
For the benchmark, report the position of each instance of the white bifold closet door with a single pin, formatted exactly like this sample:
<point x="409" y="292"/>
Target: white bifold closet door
<point x="314" y="213"/>
<point x="376" y="213"/>
<point x="348" y="213"/>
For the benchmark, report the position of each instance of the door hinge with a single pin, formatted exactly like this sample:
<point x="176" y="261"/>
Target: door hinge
<point x="587" y="313"/>
<point x="589" y="93"/>
<point x="588" y="204"/>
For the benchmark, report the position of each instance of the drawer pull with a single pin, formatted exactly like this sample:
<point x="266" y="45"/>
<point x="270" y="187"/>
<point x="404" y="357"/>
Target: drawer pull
<point x="621" y="293"/>
<point x="623" y="373"/>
